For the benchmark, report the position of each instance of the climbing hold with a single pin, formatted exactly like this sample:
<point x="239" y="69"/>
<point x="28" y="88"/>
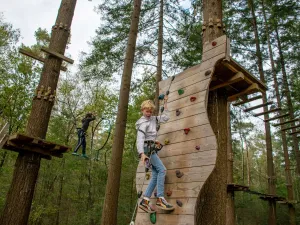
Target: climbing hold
<point x="161" y="97"/>
<point x="168" y="92"/>
<point x="153" y="218"/>
<point x="214" y="43"/>
<point x="177" y="112"/>
<point x="140" y="194"/>
<point x="180" y="91"/>
<point x="167" y="141"/>
<point x="179" y="174"/>
<point x="147" y="176"/>
<point x="162" y="109"/>
<point x="197" y="147"/>
<point x="219" y="25"/>
<point x="193" y="99"/>
<point x="179" y="203"/>
<point x="210" y="23"/>
<point x="208" y="72"/>
<point x="169" y="193"/>
<point x="187" y="130"/>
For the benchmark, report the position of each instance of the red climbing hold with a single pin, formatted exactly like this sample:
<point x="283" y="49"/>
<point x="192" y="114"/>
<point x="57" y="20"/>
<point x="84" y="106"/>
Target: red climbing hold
<point x="186" y="130"/>
<point x="197" y="147"/>
<point x="214" y="43"/>
<point x="169" y="193"/>
<point x="193" y="99"/>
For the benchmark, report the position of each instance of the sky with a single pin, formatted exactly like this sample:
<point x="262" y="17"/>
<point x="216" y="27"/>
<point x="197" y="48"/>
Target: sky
<point x="29" y="15"/>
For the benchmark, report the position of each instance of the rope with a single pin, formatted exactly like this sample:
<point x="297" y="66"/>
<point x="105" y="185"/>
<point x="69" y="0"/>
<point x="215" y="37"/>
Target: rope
<point x="140" y="192"/>
<point x="109" y="133"/>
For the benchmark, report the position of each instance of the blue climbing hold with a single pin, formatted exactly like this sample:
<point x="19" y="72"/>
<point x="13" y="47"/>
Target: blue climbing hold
<point x="161" y="97"/>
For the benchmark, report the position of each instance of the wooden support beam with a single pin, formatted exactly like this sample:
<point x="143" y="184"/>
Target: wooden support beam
<point x="277" y="117"/>
<point x="237" y="187"/>
<point x="267" y="112"/>
<point x="57" y="55"/>
<point x="289" y="128"/>
<point x="286" y="122"/>
<point x="296" y="132"/>
<point x="236" y="78"/>
<point x="40" y="59"/>
<point x="257" y="106"/>
<point x="247" y="100"/>
<point x="250" y="90"/>
<point x="3" y="135"/>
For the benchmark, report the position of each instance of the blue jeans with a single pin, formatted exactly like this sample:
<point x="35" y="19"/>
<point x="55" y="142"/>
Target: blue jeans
<point x="158" y="177"/>
<point x="81" y="141"/>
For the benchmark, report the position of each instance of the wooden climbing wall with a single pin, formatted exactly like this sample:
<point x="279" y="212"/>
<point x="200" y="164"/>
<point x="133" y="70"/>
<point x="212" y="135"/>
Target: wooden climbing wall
<point x="181" y="153"/>
<point x="195" y="154"/>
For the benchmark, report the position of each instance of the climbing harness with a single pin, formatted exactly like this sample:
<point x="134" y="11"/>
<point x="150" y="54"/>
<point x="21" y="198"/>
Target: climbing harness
<point x="151" y="147"/>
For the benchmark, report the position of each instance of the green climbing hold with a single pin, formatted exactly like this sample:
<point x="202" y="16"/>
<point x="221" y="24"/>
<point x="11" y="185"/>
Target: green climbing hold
<point x="153" y="218"/>
<point x="180" y="91"/>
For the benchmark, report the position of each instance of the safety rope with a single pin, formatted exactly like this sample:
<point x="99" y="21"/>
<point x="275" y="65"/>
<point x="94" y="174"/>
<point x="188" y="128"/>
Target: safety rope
<point x="109" y="133"/>
<point x="140" y="192"/>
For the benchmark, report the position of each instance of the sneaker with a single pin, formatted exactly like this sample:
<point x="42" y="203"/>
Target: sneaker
<point x="163" y="204"/>
<point x="84" y="156"/>
<point x="75" y="153"/>
<point x="144" y="205"/>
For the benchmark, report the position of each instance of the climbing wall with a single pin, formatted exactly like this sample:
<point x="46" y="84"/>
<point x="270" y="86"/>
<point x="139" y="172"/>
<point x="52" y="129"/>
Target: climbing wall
<point x="190" y="157"/>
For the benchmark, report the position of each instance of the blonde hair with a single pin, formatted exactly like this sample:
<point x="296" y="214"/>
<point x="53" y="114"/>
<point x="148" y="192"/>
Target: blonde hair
<point x="148" y="104"/>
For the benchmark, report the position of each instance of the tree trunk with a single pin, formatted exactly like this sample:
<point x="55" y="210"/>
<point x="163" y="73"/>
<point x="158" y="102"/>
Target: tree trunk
<point x="270" y="165"/>
<point x="230" y="211"/>
<point x="19" y="198"/>
<point x="289" y="100"/>
<point x="159" y="56"/>
<point x="288" y="176"/>
<point x="110" y="207"/>
<point x="211" y="204"/>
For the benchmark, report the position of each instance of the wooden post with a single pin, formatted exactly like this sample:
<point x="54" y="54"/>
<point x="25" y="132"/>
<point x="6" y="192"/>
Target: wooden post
<point x="212" y="202"/>
<point x="230" y="212"/>
<point x="19" y="198"/>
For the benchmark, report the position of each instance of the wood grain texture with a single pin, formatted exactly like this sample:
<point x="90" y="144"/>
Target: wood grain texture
<point x="165" y="219"/>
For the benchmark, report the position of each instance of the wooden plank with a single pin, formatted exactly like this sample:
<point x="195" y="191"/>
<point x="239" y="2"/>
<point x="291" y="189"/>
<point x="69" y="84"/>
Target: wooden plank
<point x="277" y="117"/>
<point x="267" y="112"/>
<point x="212" y="62"/>
<point x="20" y="138"/>
<point x="180" y="190"/>
<point x="188" y="122"/>
<point x="236" y="78"/>
<point x="258" y="106"/>
<point x="184" y="74"/>
<point x="57" y="55"/>
<point x="165" y="219"/>
<point x="214" y="52"/>
<point x="3" y="140"/>
<point x="181" y="148"/>
<point x="4" y="130"/>
<point x="190" y="90"/>
<point x="197" y="132"/>
<point x="197" y="159"/>
<point x="191" y="175"/>
<point x="188" y="207"/>
<point x="184" y="83"/>
<point x="286" y="122"/>
<point x="184" y="102"/>
<point x="187" y="111"/>
<point x="40" y="59"/>
<point x="250" y="90"/>
<point x="296" y="132"/>
<point x="248" y="100"/>
<point x="289" y="128"/>
<point x="208" y="45"/>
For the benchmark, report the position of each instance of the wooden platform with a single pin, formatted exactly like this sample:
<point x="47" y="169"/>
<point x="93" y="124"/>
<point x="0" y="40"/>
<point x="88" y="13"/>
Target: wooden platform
<point x="21" y="142"/>
<point x="237" y="187"/>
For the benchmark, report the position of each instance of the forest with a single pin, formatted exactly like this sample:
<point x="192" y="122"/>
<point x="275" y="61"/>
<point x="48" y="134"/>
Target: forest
<point x="264" y="37"/>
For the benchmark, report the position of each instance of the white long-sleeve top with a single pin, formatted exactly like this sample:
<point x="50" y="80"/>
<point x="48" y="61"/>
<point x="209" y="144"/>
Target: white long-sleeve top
<point x="146" y="129"/>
